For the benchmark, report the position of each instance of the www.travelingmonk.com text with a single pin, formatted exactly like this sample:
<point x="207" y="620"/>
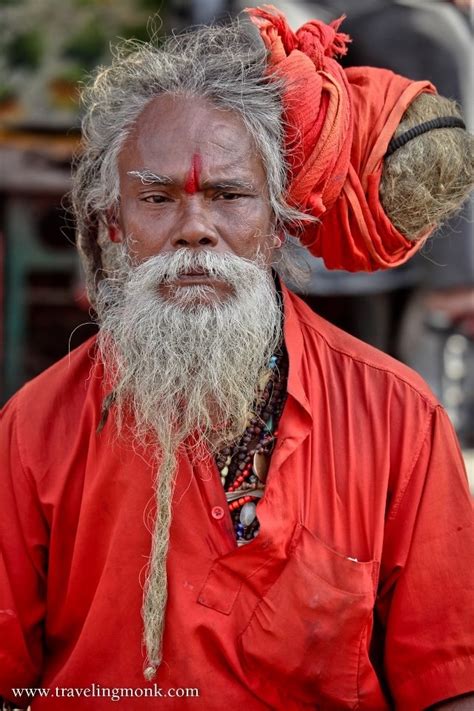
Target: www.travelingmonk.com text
<point x="95" y="691"/>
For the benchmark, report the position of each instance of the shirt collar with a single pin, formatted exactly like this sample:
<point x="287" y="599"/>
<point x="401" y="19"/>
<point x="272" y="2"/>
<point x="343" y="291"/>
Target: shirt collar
<point x="294" y="343"/>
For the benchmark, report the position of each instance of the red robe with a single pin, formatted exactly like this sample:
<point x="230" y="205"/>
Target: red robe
<point x="355" y="591"/>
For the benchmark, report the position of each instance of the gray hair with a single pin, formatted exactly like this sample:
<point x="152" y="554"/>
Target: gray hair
<point x="225" y="64"/>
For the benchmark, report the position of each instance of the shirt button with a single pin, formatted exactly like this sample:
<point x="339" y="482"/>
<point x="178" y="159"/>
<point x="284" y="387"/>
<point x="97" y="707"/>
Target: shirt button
<point x="217" y="512"/>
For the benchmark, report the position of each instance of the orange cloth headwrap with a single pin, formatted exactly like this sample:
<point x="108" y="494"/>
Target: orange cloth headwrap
<point x="339" y="126"/>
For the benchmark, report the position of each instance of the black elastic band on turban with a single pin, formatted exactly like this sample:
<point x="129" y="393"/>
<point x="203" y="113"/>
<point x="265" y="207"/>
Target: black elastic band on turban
<point x="440" y="122"/>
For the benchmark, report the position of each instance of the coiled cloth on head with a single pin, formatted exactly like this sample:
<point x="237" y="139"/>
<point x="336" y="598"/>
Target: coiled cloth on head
<point x="338" y="126"/>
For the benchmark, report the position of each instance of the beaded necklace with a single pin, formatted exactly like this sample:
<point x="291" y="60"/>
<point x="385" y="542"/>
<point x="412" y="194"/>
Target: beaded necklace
<point x="244" y="466"/>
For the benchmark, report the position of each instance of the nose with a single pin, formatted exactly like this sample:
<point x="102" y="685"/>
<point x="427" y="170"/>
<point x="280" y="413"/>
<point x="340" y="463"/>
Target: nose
<point x="195" y="228"/>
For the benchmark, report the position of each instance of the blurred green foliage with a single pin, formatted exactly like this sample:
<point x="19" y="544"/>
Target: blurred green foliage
<point x="25" y="50"/>
<point x="48" y="46"/>
<point x="7" y="92"/>
<point x="86" y="46"/>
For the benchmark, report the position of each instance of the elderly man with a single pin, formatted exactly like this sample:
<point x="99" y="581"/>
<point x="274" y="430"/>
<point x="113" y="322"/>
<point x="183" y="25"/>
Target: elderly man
<point x="222" y="498"/>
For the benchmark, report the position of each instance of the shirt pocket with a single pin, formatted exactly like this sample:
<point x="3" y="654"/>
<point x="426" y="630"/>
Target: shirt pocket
<point x="301" y="646"/>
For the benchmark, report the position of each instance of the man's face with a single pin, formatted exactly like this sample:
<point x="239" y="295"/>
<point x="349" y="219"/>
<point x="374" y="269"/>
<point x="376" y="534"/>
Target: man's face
<point x="190" y="177"/>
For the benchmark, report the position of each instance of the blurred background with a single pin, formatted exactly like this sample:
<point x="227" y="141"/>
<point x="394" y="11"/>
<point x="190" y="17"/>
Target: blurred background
<point x="421" y="313"/>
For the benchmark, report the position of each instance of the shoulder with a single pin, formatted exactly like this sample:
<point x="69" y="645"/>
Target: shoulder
<point x="355" y="363"/>
<point x="62" y="383"/>
<point x="378" y="415"/>
<point x="49" y="408"/>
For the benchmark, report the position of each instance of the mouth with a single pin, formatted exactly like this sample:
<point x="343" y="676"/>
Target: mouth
<point x="195" y="272"/>
<point x="194" y="276"/>
<point x="211" y="286"/>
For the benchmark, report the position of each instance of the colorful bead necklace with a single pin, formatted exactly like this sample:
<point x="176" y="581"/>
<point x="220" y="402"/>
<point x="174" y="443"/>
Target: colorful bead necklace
<point x="244" y="466"/>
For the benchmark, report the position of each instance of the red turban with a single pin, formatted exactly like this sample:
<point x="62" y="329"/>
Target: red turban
<point x="340" y="123"/>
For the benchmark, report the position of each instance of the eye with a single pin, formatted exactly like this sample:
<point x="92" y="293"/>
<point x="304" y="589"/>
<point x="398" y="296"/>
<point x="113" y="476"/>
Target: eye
<point x="155" y="199"/>
<point x="229" y="196"/>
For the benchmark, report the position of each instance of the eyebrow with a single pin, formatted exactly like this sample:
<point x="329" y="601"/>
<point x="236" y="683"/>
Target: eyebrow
<point x="229" y="185"/>
<point x="147" y="177"/>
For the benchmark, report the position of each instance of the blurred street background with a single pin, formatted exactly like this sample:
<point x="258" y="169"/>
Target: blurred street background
<point x="421" y="313"/>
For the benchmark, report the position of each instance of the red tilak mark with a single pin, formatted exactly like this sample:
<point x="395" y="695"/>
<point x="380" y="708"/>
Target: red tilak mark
<point x="192" y="181"/>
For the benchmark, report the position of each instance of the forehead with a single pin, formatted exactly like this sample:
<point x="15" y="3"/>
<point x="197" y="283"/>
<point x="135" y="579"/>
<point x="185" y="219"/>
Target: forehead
<point x="172" y="129"/>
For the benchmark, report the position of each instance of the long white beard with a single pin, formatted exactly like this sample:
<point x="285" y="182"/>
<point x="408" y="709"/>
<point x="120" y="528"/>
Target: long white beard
<point x="184" y="366"/>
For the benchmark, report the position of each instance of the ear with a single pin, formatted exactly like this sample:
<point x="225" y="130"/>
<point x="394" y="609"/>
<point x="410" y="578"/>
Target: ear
<point x="279" y="237"/>
<point x="114" y="229"/>
<point x="114" y="232"/>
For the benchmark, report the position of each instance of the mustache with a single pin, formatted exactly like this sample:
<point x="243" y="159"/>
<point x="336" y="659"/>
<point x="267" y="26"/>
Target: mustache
<point x="166" y="268"/>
